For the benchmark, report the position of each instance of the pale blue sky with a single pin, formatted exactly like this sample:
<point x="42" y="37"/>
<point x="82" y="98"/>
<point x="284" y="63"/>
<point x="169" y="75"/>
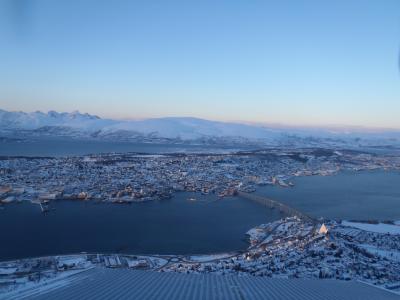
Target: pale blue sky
<point x="292" y="62"/>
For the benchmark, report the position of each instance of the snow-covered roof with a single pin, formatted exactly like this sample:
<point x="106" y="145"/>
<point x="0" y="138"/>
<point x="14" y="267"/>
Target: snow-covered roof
<point x="102" y="283"/>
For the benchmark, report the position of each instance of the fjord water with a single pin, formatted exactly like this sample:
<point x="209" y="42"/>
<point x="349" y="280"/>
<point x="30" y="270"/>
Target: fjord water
<point x="363" y="195"/>
<point x="181" y="226"/>
<point x="178" y="226"/>
<point x="56" y="147"/>
<point x="174" y="226"/>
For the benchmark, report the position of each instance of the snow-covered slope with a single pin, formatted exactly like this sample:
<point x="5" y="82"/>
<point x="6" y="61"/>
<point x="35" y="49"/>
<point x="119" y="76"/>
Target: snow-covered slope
<point x="75" y="123"/>
<point x="36" y="120"/>
<point x="191" y="128"/>
<point x="85" y="125"/>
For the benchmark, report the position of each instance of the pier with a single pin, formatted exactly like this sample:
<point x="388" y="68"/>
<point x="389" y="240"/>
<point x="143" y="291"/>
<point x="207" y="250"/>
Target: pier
<point x="270" y="203"/>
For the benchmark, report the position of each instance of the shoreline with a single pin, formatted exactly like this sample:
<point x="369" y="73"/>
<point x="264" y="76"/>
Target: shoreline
<point x="306" y="250"/>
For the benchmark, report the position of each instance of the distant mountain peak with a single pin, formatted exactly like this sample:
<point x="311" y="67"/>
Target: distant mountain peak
<point x="37" y="119"/>
<point x="76" y="124"/>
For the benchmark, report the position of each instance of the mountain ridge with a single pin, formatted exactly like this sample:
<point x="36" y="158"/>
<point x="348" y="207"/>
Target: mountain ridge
<point x="85" y="125"/>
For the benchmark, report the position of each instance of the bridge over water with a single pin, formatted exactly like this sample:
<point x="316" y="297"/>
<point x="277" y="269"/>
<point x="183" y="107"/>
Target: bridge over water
<point x="284" y="208"/>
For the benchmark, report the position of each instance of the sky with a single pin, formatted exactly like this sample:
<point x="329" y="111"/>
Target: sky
<point x="309" y="63"/>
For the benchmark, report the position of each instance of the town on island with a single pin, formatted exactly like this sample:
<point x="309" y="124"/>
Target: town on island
<point x="296" y="246"/>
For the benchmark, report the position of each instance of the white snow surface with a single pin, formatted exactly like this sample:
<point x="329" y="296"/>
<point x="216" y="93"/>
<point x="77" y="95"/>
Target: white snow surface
<point x="35" y="120"/>
<point x="378" y="228"/>
<point x="7" y="271"/>
<point x="210" y="257"/>
<point x="191" y="128"/>
<point x="184" y="128"/>
<point x="389" y="254"/>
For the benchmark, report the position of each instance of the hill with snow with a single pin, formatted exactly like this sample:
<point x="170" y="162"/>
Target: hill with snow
<point x="175" y="129"/>
<point x="75" y="123"/>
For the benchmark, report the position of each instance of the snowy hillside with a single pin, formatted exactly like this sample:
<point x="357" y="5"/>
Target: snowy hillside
<point x="191" y="128"/>
<point x="78" y="125"/>
<point x="36" y="120"/>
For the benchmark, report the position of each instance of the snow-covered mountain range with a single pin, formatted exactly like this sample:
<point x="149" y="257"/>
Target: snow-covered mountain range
<point x="174" y="129"/>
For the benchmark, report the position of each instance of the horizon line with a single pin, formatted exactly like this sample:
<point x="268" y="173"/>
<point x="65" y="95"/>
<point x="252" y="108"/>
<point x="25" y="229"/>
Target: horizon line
<point x="277" y="125"/>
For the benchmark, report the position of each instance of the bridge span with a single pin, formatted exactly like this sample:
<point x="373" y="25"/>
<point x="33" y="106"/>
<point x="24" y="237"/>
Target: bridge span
<point x="286" y="209"/>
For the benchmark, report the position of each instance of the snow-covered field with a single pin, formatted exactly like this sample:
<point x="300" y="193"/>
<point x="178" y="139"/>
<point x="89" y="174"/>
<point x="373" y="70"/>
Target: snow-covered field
<point x="378" y="228"/>
<point x="388" y="254"/>
<point x="210" y="257"/>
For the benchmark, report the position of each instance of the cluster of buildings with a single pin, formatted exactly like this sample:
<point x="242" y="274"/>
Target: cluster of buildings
<point x="25" y="272"/>
<point x="292" y="248"/>
<point x="125" y="178"/>
<point x="289" y="248"/>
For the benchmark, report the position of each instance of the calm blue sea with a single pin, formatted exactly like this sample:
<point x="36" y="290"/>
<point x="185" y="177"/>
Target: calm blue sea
<point x="178" y="226"/>
<point x="70" y="147"/>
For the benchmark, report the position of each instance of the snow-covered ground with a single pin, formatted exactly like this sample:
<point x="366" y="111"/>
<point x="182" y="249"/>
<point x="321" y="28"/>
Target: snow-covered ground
<point x="80" y="125"/>
<point x="287" y="248"/>
<point x="7" y="271"/>
<point x="388" y="254"/>
<point x="292" y="248"/>
<point x="210" y="257"/>
<point x="27" y="288"/>
<point x="378" y="228"/>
